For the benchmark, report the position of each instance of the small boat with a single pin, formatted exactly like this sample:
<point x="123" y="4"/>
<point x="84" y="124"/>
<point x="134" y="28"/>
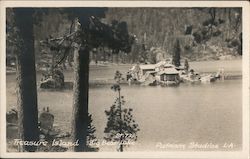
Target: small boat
<point x="208" y="78"/>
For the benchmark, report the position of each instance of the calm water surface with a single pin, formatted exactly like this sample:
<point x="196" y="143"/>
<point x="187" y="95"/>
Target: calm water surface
<point x="188" y="113"/>
<point x="205" y="113"/>
<point x="202" y="113"/>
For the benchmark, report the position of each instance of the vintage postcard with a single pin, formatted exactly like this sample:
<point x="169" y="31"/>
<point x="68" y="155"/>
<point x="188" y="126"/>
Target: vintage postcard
<point x="124" y="79"/>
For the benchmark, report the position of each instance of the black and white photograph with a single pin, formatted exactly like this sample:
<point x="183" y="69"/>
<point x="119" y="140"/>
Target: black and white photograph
<point x="125" y="79"/>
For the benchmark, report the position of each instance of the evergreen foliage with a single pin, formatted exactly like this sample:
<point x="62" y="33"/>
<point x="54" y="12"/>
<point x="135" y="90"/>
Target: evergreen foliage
<point x="121" y="126"/>
<point x="186" y="65"/>
<point x="177" y="54"/>
<point x="91" y="134"/>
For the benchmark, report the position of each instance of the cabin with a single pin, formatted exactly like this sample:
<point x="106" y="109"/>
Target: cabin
<point x="164" y="69"/>
<point x="169" y="76"/>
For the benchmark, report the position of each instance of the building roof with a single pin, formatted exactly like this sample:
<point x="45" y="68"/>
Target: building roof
<point x="153" y="66"/>
<point x="147" y="67"/>
<point x="169" y="66"/>
<point x="169" y="71"/>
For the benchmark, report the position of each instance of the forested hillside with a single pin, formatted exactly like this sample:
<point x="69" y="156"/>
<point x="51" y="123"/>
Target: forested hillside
<point x="204" y="34"/>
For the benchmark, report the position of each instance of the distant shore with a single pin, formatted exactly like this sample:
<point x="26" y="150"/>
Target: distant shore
<point x="102" y="74"/>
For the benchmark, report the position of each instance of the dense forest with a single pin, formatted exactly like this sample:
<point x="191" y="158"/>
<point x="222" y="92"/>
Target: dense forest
<point x="204" y="34"/>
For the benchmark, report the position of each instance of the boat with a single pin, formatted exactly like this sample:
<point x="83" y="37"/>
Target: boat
<point x="208" y="78"/>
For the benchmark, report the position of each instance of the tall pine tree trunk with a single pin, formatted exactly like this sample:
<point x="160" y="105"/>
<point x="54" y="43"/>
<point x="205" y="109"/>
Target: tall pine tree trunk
<point x="26" y="79"/>
<point x="80" y="98"/>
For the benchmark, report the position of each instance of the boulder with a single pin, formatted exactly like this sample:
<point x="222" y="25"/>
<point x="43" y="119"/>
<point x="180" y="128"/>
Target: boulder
<point x="56" y="81"/>
<point x="46" y="120"/>
<point x="12" y="116"/>
<point x="11" y="126"/>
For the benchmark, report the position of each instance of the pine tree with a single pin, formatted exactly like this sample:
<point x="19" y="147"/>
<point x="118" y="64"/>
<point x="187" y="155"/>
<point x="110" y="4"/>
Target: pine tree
<point x="186" y="65"/>
<point x="92" y="34"/>
<point x="121" y="127"/>
<point x="26" y="78"/>
<point x="91" y="134"/>
<point x="177" y="54"/>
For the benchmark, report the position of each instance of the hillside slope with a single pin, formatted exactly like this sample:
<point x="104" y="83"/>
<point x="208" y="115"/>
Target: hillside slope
<point x="204" y="33"/>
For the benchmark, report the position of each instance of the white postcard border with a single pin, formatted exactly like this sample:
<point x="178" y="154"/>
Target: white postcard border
<point x="170" y="154"/>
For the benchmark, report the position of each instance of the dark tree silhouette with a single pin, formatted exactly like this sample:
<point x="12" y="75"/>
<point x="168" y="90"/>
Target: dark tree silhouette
<point x="89" y="34"/>
<point x="177" y="53"/>
<point x="80" y="96"/>
<point x="240" y="44"/>
<point x="91" y="138"/>
<point x="26" y="78"/>
<point x="186" y="66"/>
<point x="92" y="33"/>
<point x="82" y="46"/>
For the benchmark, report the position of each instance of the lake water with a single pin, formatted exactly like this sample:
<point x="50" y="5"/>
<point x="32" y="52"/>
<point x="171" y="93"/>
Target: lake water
<point x="188" y="113"/>
<point x="202" y="113"/>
